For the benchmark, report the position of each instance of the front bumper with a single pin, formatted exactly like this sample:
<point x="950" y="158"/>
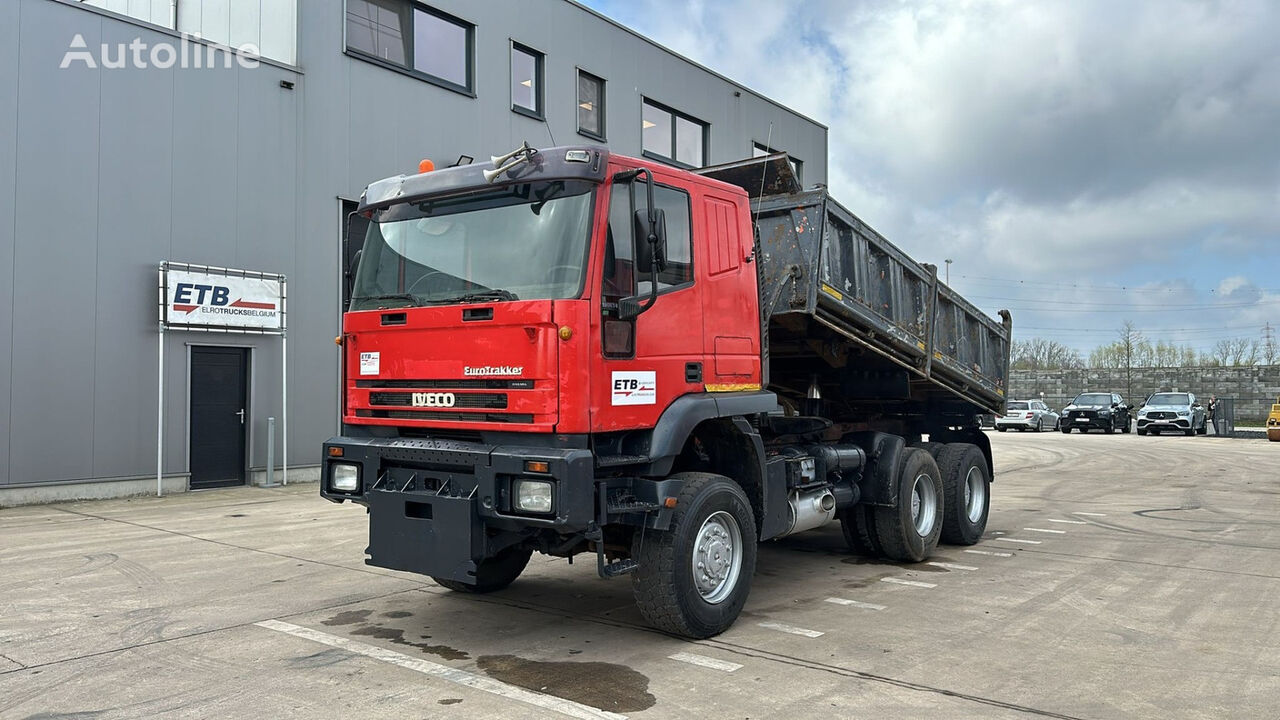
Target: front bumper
<point x="1089" y="421"/>
<point x="439" y="507"/>
<point x="1162" y="423"/>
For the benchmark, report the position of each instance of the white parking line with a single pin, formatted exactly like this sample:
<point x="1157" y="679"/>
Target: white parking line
<point x="792" y="629"/>
<point x="443" y="672"/>
<point x="912" y="583"/>
<point x="988" y="552"/>
<point x="1090" y="514"/>
<point x="952" y="566"/>
<point x="1044" y="530"/>
<point x="1068" y="522"/>
<point x="855" y="603"/>
<point x="1020" y="540"/>
<point x="706" y="662"/>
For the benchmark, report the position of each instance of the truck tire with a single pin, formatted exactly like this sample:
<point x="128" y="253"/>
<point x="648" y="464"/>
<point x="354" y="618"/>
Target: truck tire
<point x="493" y="574"/>
<point x="713" y="531"/>
<point x="859" y="525"/>
<point x="933" y="448"/>
<point x="966" y="491"/>
<point x="910" y="531"/>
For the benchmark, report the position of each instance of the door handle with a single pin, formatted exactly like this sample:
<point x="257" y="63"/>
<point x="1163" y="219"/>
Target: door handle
<point x="241" y="414"/>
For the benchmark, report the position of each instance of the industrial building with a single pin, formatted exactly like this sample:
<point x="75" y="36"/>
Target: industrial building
<point x="238" y="134"/>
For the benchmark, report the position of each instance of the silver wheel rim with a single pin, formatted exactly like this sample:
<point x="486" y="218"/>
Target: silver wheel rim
<point x="975" y="495"/>
<point x="717" y="557"/>
<point x="924" y="504"/>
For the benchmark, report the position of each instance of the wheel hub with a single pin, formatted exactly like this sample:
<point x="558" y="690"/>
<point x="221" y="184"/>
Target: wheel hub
<point x="924" y="504"/>
<point x="975" y="495"/>
<point x="716" y="557"/>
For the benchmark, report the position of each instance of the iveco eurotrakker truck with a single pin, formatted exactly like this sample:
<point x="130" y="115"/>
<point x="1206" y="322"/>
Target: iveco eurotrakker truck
<point x="572" y="352"/>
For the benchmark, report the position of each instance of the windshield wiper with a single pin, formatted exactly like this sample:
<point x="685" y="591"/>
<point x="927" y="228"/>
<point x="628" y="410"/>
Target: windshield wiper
<point x="479" y="297"/>
<point x="408" y="297"/>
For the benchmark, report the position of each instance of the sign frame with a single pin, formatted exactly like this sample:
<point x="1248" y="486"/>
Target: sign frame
<point x="212" y="270"/>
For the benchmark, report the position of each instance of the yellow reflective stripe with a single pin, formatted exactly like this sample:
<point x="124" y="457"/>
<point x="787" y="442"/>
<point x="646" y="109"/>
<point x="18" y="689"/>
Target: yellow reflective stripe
<point x="832" y="292"/>
<point x="732" y="387"/>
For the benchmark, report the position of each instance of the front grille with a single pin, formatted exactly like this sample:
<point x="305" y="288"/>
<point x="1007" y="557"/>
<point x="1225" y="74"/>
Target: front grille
<point x="447" y="384"/>
<point x="1162" y="415"/>
<point x="483" y="401"/>
<point x="458" y="417"/>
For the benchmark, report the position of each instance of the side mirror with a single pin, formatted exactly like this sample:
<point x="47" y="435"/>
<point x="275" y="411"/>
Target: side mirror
<point x="651" y="254"/>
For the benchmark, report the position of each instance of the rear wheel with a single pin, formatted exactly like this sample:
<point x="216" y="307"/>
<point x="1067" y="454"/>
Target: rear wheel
<point x="694" y="578"/>
<point x="966" y="489"/>
<point x="1040" y="425"/>
<point x="910" y="531"/>
<point x="493" y="573"/>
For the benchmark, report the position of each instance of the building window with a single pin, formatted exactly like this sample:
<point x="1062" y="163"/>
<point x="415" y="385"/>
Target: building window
<point x="760" y="150"/>
<point x="526" y="80"/>
<point x="426" y="42"/>
<point x="379" y="28"/>
<point x="673" y="136"/>
<point x="590" y="105"/>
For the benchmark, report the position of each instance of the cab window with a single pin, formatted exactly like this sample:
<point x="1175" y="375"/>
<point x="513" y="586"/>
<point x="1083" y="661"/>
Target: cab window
<point x="620" y="276"/>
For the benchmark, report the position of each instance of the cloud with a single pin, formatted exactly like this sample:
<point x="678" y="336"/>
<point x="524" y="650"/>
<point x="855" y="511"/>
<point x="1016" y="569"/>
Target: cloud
<point x="1088" y="140"/>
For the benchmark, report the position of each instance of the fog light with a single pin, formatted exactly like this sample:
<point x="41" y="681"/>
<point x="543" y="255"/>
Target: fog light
<point x="345" y="478"/>
<point x="533" y="496"/>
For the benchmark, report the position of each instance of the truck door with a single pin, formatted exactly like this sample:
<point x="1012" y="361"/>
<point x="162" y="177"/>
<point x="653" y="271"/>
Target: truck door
<point x="732" y="340"/>
<point x="650" y="360"/>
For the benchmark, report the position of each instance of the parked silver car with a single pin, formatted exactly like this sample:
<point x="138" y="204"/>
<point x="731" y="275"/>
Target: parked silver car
<point x="1027" y="415"/>
<point x="1177" y="411"/>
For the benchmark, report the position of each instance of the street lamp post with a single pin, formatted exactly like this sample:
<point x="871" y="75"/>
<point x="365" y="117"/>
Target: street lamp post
<point x="948" y="262"/>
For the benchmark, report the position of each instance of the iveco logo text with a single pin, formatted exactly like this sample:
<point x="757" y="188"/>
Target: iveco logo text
<point x="493" y="370"/>
<point x="444" y="400"/>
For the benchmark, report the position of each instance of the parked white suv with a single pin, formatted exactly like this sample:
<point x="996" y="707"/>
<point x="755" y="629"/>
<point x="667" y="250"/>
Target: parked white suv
<point x="1027" y="415"/>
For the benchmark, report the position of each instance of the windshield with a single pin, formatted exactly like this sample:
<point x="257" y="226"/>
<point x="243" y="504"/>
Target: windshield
<point x="1093" y="399"/>
<point x="1169" y="399"/>
<point x="524" y="242"/>
<point x="1018" y="406"/>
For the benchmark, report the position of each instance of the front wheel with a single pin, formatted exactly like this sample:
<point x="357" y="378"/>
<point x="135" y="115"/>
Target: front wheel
<point x="493" y="574"/>
<point x="693" y="579"/>
<point x="910" y="531"/>
<point x="1066" y="429"/>
<point x="966" y="489"/>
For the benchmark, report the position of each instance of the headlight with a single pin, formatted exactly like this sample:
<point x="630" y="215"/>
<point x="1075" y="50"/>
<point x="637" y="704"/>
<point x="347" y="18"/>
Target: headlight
<point x="345" y="478"/>
<point x="1183" y="413"/>
<point x="1104" y="412"/>
<point x="533" y="496"/>
<point x="1142" y="413"/>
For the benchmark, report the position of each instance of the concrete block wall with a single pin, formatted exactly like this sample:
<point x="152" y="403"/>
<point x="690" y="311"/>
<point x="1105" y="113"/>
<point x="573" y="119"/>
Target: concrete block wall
<point x="1254" y="387"/>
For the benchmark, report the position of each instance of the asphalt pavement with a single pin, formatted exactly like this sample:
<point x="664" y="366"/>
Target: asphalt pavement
<point x="1120" y="577"/>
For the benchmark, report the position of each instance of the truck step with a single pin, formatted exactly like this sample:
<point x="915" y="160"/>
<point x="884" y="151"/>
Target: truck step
<point x="617" y="460"/>
<point x="621" y="567"/>
<point x="627" y="504"/>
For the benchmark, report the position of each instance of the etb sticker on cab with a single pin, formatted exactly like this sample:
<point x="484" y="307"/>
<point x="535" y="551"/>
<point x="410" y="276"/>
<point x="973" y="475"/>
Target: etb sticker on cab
<point x="369" y="362"/>
<point x="634" y="388"/>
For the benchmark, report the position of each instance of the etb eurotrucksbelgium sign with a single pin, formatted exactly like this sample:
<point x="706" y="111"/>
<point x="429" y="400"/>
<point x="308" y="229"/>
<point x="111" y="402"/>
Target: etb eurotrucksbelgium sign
<point x="196" y="297"/>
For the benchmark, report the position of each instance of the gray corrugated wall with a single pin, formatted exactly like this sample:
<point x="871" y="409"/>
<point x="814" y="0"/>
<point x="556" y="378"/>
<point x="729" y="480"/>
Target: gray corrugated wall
<point x="121" y="169"/>
<point x="9" y="14"/>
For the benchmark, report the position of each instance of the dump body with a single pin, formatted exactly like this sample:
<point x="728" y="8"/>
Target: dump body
<point x="826" y="273"/>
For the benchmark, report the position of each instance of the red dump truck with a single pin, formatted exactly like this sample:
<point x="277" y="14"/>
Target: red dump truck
<point x="573" y="352"/>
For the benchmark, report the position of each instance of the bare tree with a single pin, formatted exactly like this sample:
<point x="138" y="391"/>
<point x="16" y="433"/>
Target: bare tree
<point x="1042" y="354"/>
<point x="1129" y="340"/>
<point x="1236" y="351"/>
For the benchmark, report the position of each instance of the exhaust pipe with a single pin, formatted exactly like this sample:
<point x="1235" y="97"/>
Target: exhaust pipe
<point x="809" y="510"/>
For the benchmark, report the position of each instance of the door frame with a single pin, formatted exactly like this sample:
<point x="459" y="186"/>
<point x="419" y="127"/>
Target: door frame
<point x="250" y="394"/>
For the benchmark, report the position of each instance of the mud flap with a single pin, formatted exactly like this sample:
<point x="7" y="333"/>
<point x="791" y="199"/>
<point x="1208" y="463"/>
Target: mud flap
<point x="424" y="533"/>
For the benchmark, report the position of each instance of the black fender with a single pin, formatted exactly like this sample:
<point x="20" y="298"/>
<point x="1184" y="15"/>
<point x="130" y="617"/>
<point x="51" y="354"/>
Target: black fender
<point x="879" y="483"/>
<point x="688" y="411"/>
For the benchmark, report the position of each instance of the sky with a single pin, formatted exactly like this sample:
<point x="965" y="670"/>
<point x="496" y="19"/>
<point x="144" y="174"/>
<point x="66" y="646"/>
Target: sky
<point x="1082" y="163"/>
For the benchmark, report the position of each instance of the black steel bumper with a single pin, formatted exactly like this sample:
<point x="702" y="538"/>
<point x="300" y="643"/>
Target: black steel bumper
<point x="439" y="507"/>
